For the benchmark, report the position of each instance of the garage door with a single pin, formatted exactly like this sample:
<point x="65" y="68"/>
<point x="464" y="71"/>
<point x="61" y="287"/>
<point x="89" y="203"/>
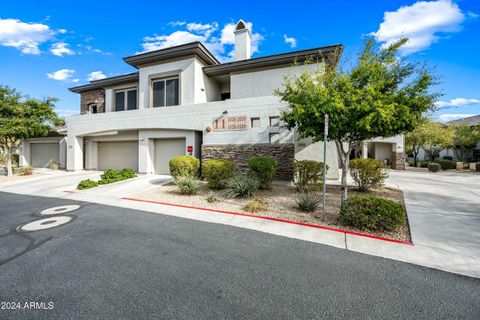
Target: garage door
<point x="42" y="153"/>
<point x="165" y="149"/>
<point x="118" y="155"/>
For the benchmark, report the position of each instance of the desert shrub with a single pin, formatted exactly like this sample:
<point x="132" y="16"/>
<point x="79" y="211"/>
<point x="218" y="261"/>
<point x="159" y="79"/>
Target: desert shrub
<point x="308" y="201"/>
<point x="211" y="197"/>
<point x="308" y="174"/>
<point x="181" y="166"/>
<point x="256" y="205"/>
<point x="52" y="164"/>
<point x="447" y="158"/>
<point x="264" y="168"/>
<point x="87" y="184"/>
<point x="111" y="176"/>
<point x="372" y="213"/>
<point x="217" y="171"/>
<point x="434" y="167"/>
<point x="25" y="171"/>
<point x="446" y="164"/>
<point x="423" y="163"/>
<point x="410" y="162"/>
<point x="477" y="167"/>
<point x="368" y="173"/>
<point x="127" y="173"/>
<point x="187" y="185"/>
<point x="241" y="186"/>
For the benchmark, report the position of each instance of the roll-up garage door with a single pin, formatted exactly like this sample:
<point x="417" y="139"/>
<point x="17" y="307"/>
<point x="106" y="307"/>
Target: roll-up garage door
<point x="165" y="149"/>
<point x="118" y="155"/>
<point x="43" y="153"/>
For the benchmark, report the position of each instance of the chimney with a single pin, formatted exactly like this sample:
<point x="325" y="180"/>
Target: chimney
<point x="243" y="45"/>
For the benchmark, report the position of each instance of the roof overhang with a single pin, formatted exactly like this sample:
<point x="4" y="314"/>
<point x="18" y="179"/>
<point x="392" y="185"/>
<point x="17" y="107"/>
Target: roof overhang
<point x="112" y="81"/>
<point x="331" y="54"/>
<point x="190" y="49"/>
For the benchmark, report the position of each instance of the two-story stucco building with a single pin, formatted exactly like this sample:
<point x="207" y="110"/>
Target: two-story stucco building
<point x="182" y="100"/>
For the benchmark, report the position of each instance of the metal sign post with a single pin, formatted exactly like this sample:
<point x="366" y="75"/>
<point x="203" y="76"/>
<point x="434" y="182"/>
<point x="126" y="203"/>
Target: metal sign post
<point x="325" y="164"/>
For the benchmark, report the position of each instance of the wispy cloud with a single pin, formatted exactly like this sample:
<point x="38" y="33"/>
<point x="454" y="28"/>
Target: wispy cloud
<point x="423" y="23"/>
<point x="60" y="49"/>
<point x="63" y="75"/>
<point x="454" y="116"/>
<point x="218" y="40"/>
<point x="96" y="75"/>
<point x="455" y="103"/>
<point x="290" y="40"/>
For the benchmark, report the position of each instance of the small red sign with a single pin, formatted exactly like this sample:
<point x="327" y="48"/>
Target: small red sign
<point x="189" y="149"/>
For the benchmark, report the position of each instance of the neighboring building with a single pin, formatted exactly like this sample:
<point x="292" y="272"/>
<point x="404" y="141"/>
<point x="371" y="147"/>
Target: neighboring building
<point x="182" y="100"/>
<point x="40" y="152"/>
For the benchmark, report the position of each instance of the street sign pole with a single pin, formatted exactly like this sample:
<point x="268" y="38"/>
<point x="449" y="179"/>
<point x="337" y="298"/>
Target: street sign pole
<point x="325" y="165"/>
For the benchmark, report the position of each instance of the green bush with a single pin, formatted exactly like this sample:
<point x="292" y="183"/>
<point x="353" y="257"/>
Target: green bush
<point x="448" y="158"/>
<point x="434" y="167"/>
<point x="410" y="162"/>
<point x="423" y="163"/>
<point x="264" y="169"/>
<point x="446" y="164"/>
<point x="111" y="175"/>
<point x="368" y="173"/>
<point x="308" y="201"/>
<point x="372" y="213"/>
<point x="477" y="167"/>
<point x="187" y="185"/>
<point x="308" y="174"/>
<point x="217" y="171"/>
<point x="211" y="197"/>
<point x="241" y="186"/>
<point x="25" y="171"/>
<point x="127" y="173"/>
<point x="182" y="166"/>
<point x="87" y="184"/>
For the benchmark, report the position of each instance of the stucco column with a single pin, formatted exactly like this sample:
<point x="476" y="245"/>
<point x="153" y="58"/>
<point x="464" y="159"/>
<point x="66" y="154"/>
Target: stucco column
<point x="74" y="153"/>
<point x="364" y="150"/>
<point x="24" y="157"/>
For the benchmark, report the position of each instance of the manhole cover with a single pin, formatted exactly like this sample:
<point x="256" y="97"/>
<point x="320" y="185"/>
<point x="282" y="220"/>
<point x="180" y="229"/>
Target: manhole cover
<point x="46" y="223"/>
<point x="59" y="210"/>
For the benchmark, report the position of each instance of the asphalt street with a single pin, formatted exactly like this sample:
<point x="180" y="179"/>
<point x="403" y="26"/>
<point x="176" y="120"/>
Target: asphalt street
<point x="118" y="263"/>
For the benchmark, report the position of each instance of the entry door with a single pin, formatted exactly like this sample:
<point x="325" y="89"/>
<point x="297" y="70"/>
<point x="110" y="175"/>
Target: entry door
<point x="166" y="149"/>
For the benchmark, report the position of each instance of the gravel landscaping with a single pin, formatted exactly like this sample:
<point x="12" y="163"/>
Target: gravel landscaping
<point x="281" y="201"/>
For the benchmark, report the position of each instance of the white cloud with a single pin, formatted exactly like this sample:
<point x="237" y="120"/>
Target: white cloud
<point x="454" y="116"/>
<point x="290" y="40"/>
<point x="26" y="37"/>
<point x="96" y="75"/>
<point x="423" y="23"/>
<point x="216" y="40"/>
<point x="60" y="49"/>
<point x="455" y="103"/>
<point x="63" y="75"/>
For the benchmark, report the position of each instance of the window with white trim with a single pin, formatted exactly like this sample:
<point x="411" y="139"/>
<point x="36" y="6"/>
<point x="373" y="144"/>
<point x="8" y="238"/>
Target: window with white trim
<point x="126" y="99"/>
<point x="165" y="92"/>
<point x="92" y="108"/>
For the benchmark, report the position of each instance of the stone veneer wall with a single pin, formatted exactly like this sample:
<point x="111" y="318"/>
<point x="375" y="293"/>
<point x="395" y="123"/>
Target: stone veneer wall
<point x="239" y="154"/>
<point x="398" y="162"/>
<point x="89" y="97"/>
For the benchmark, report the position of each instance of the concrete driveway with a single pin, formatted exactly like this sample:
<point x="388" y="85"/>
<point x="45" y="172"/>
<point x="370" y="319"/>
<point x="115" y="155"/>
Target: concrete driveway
<point x="119" y="263"/>
<point x="444" y="211"/>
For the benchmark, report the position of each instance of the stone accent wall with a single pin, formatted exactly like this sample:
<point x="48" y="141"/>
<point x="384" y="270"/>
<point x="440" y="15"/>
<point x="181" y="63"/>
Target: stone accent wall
<point x="398" y="162"/>
<point x="89" y="97"/>
<point x="239" y="154"/>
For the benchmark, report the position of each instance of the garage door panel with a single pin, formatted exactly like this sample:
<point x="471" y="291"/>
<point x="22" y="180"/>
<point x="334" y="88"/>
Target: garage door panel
<point x="118" y="155"/>
<point x="43" y="153"/>
<point x="165" y="149"/>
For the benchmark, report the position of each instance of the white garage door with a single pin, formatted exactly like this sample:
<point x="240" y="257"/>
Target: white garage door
<point x="165" y="149"/>
<point x="43" y="153"/>
<point x="118" y="155"/>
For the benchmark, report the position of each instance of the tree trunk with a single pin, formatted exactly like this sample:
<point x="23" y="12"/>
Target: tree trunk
<point x="345" y="160"/>
<point x="415" y="156"/>
<point x="9" y="162"/>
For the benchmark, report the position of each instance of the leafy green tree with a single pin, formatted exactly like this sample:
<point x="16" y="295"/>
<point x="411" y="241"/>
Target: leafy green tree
<point x="464" y="140"/>
<point x="432" y="137"/>
<point x="22" y="118"/>
<point x="382" y="95"/>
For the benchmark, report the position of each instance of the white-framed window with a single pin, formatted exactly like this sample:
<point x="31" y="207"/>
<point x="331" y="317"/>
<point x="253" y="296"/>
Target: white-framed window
<point x="255" y="122"/>
<point x="92" y="108"/>
<point x="274" y="121"/>
<point x="274" y="137"/>
<point x="125" y="99"/>
<point x="166" y="92"/>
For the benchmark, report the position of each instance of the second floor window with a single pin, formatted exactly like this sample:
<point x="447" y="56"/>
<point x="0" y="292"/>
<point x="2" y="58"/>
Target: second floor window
<point x="165" y="92"/>
<point x="125" y="99"/>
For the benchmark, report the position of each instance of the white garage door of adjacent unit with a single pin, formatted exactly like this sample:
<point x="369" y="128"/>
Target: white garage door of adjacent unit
<point x="43" y="153"/>
<point x="165" y="149"/>
<point x="118" y="155"/>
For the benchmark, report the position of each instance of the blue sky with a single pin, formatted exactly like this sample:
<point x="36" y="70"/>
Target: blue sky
<point x="49" y="46"/>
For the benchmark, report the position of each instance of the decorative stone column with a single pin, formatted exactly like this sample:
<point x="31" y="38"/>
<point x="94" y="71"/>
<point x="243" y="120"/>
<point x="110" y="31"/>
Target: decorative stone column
<point x="398" y="160"/>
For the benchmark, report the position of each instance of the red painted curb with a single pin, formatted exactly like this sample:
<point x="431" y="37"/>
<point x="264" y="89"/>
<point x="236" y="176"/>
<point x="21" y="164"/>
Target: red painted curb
<point x="275" y="219"/>
<point x="69" y="191"/>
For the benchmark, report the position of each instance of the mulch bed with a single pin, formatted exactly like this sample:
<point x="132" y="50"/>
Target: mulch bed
<point x="281" y="201"/>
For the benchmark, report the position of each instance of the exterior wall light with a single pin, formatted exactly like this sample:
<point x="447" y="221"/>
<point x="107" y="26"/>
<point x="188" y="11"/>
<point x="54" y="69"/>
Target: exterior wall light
<point x="208" y="129"/>
<point x="225" y="112"/>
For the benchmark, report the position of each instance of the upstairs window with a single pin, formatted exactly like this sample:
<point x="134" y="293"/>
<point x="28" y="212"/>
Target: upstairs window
<point x="165" y="92"/>
<point x="125" y="99"/>
<point x="92" y="108"/>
